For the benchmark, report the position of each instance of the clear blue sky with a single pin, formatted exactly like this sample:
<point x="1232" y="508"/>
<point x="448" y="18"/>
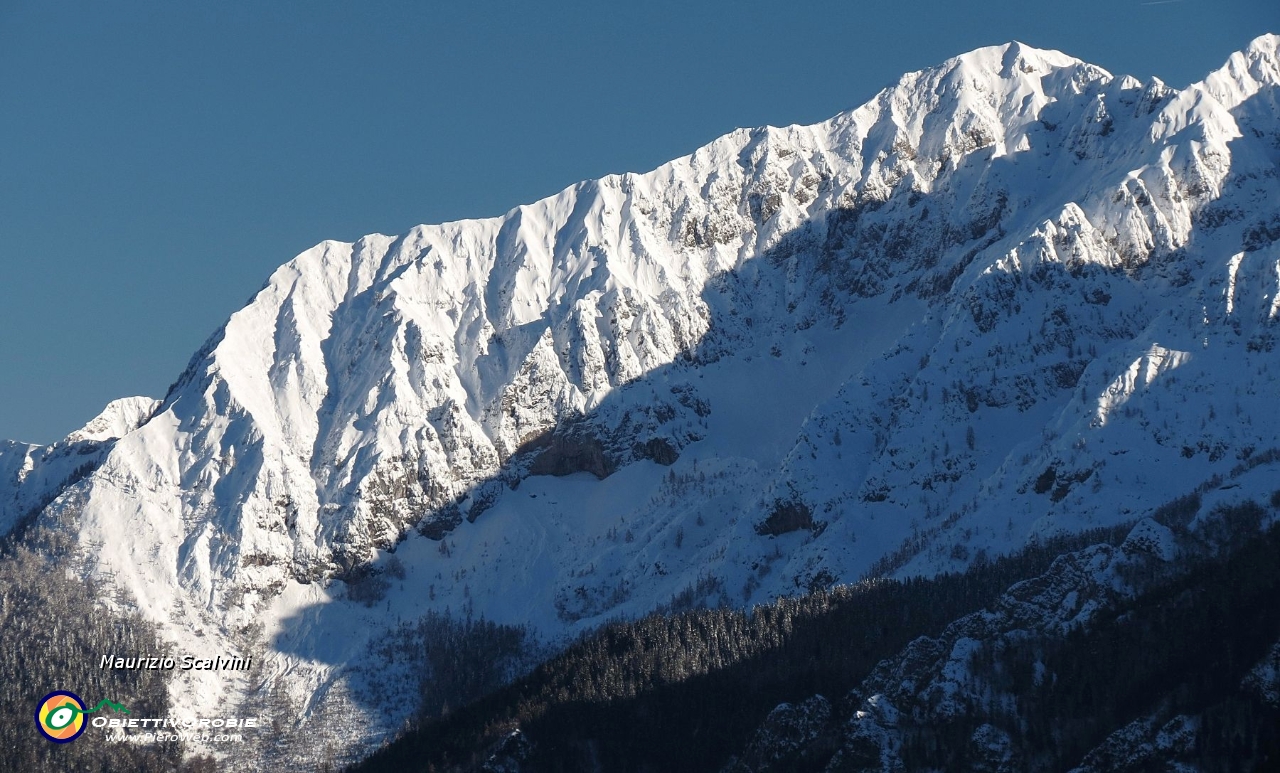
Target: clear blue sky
<point x="159" y="159"/>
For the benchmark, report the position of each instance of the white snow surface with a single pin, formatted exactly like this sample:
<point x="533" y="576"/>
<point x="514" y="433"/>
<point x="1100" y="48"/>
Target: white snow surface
<point x="31" y="474"/>
<point x="1010" y="295"/>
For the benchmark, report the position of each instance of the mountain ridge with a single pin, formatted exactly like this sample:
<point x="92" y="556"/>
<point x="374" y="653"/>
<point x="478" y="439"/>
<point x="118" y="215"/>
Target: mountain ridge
<point x="1007" y="274"/>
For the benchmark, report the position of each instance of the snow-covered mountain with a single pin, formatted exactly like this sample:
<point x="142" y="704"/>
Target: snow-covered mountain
<point x="1010" y="295"/>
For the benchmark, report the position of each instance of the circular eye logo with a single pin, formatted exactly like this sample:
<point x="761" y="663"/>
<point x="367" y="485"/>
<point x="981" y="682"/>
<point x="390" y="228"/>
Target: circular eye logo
<point x="60" y="716"/>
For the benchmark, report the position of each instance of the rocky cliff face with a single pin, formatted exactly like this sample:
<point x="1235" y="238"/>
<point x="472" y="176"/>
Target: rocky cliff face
<point x="1009" y="295"/>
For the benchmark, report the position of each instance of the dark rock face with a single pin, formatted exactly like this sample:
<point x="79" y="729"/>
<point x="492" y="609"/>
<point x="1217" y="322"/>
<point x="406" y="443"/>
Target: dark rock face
<point x="657" y="450"/>
<point x="440" y="524"/>
<point x="786" y="517"/>
<point x="567" y="454"/>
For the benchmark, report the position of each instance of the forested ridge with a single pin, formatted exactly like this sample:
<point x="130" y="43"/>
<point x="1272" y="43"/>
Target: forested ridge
<point x="1178" y="653"/>
<point x="1157" y="677"/>
<point x="55" y="631"/>
<point x="690" y="690"/>
<point x="685" y="691"/>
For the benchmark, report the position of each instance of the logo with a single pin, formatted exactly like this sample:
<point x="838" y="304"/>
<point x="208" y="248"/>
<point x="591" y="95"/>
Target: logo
<point x="60" y="715"/>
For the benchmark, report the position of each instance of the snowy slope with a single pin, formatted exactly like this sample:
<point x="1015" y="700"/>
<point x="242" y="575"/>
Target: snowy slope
<point x="1009" y="295"/>
<point x="31" y="476"/>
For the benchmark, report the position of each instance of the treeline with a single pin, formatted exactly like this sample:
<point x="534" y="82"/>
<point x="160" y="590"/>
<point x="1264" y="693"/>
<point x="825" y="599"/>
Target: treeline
<point x="685" y="691"/>
<point x="54" y="634"/>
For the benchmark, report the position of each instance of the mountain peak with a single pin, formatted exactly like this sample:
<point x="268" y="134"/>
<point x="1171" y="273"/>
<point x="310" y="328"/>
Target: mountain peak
<point x="1264" y="45"/>
<point x="1245" y="72"/>
<point x="118" y="419"/>
<point x="1009" y="60"/>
